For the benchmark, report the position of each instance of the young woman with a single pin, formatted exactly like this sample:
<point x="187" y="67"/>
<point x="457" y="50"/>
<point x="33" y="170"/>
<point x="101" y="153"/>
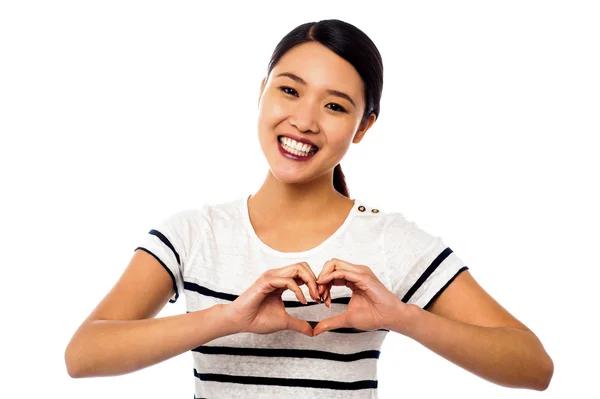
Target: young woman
<point x="291" y="291"/>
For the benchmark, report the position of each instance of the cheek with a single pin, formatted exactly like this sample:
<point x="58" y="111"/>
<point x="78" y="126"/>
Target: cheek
<point x="339" y="132"/>
<point x="271" y="110"/>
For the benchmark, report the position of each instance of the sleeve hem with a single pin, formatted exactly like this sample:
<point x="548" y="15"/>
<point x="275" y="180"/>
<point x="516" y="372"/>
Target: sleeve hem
<point x="172" y="300"/>
<point x="462" y="269"/>
<point x="427" y="273"/>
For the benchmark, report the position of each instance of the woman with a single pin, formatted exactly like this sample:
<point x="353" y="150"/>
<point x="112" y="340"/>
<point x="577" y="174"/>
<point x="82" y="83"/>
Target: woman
<point x="367" y="272"/>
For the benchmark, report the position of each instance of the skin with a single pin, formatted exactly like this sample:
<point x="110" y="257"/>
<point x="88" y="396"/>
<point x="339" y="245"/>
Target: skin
<point x="463" y="322"/>
<point x="304" y="190"/>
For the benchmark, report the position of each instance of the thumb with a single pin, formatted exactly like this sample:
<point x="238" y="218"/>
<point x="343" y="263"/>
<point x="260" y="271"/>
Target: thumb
<point x="299" y="325"/>
<point x="331" y="323"/>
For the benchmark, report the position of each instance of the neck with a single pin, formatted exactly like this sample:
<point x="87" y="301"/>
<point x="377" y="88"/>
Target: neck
<point x="276" y="200"/>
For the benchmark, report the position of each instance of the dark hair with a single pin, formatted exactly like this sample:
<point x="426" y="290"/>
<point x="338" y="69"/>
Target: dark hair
<point x="353" y="45"/>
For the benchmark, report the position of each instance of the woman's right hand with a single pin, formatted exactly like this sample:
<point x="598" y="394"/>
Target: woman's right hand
<point x="260" y="308"/>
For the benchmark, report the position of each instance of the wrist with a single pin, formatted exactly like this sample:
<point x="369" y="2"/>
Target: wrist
<point x="405" y="317"/>
<point x="229" y="317"/>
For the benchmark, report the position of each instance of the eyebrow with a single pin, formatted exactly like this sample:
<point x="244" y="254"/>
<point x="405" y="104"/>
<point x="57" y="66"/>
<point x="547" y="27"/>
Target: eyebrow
<point x="329" y="91"/>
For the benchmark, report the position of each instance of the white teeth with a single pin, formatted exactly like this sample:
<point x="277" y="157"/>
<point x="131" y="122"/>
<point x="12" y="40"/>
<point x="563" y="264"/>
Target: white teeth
<point x="296" y="148"/>
<point x="296" y="145"/>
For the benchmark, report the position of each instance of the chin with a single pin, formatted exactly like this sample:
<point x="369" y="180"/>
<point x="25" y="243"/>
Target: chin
<point x="285" y="175"/>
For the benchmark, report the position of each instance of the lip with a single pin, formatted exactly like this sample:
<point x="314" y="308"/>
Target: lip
<point x="292" y="156"/>
<point x="299" y="139"/>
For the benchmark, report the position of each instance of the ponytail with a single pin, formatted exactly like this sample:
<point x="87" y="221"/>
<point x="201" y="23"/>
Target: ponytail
<point x="339" y="181"/>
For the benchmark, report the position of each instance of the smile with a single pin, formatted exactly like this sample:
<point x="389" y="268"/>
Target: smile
<point x="288" y="148"/>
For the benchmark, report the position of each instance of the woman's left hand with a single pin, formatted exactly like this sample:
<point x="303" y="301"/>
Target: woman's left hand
<point x="372" y="305"/>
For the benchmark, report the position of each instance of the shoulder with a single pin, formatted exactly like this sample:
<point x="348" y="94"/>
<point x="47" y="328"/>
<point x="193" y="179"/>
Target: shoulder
<point x="402" y="234"/>
<point x="212" y="220"/>
<point x="386" y="220"/>
<point x="180" y="219"/>
<point x="397" y="231"/>
<point x="206" y="213"/>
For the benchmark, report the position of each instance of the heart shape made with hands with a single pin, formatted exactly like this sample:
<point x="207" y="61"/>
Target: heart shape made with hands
<point x="371" y="304"/>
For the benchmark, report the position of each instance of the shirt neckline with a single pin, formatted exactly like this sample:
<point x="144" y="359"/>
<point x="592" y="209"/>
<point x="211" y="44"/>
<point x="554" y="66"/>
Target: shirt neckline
<point x="264" y="247"/>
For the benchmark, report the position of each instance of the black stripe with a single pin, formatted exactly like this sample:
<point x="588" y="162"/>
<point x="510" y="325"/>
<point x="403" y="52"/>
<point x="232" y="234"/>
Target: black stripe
<point x="288" y="304"/>
<point x="288" y="382"/>
<point x="344" y="330"/>
<point x="462" y="269"/>
<point x="300" y="353"/>
<point x="167" y="269"/>
<point x="166" y="241"/>
<point x="298" y="304"/>
<point x="208" y="292"/>
<point x="440" y="258"/>
<point x="231" y="297"/>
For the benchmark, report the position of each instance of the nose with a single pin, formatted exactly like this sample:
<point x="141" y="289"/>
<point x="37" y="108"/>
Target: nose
<point x="305" y="116"/>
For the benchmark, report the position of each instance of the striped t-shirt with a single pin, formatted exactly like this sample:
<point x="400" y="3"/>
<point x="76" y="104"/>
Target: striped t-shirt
<point x="213" y="255"/>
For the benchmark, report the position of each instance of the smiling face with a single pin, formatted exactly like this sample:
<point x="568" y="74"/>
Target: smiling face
<point x="312" y="94"/>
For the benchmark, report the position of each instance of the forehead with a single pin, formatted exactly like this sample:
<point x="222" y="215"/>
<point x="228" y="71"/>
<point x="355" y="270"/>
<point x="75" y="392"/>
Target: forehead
<point x="321" y="68"/>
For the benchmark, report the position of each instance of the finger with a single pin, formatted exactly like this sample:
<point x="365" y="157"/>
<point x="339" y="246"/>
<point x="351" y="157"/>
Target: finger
<point x="328" y="267"/>
<point x="308" y="268"/>
<point x="333" y="282"/>
<point x="296" y="271"/>
<point x="321" y="289"/>
<point x="290" y="284"/>
<point x="340" y="264"/>
<point x="299" y="325"/>
<point x="335" y="264"/>
<point x="331" y="323"/>
<point x="300" y="281"/>
<point x="360" y="280"/>
<point x="328" y="292"/>
<point x="311" y="281"/>
<point x="340" y="274"/>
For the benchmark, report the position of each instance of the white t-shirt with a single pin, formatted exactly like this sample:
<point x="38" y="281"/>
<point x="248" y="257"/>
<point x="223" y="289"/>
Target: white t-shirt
<point x="213" y="255"/>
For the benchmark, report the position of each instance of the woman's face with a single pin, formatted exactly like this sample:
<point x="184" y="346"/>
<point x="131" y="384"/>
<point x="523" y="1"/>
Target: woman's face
<point x="313" y="94"/>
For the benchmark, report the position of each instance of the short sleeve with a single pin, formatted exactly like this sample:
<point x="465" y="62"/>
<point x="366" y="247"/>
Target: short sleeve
<point x="420" y="266"/>
<point x="166" y="242"/>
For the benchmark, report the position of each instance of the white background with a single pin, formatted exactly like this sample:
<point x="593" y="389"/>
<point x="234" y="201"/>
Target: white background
<point x="115" y="114"/>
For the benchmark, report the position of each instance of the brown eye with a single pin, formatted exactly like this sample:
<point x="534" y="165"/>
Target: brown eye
<point x="288" y="90"/>
<point x="337" y="107"/>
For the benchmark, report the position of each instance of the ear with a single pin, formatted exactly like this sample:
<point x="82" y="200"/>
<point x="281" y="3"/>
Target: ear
<point x="262" y="89"/>
<point x="364" y="126"/>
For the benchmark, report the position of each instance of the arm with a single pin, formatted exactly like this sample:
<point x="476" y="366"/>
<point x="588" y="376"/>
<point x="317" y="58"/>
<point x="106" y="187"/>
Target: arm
<point x="121" y="336"/>
<point x="115" y="347"/>
<point x="468" y="327"/>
